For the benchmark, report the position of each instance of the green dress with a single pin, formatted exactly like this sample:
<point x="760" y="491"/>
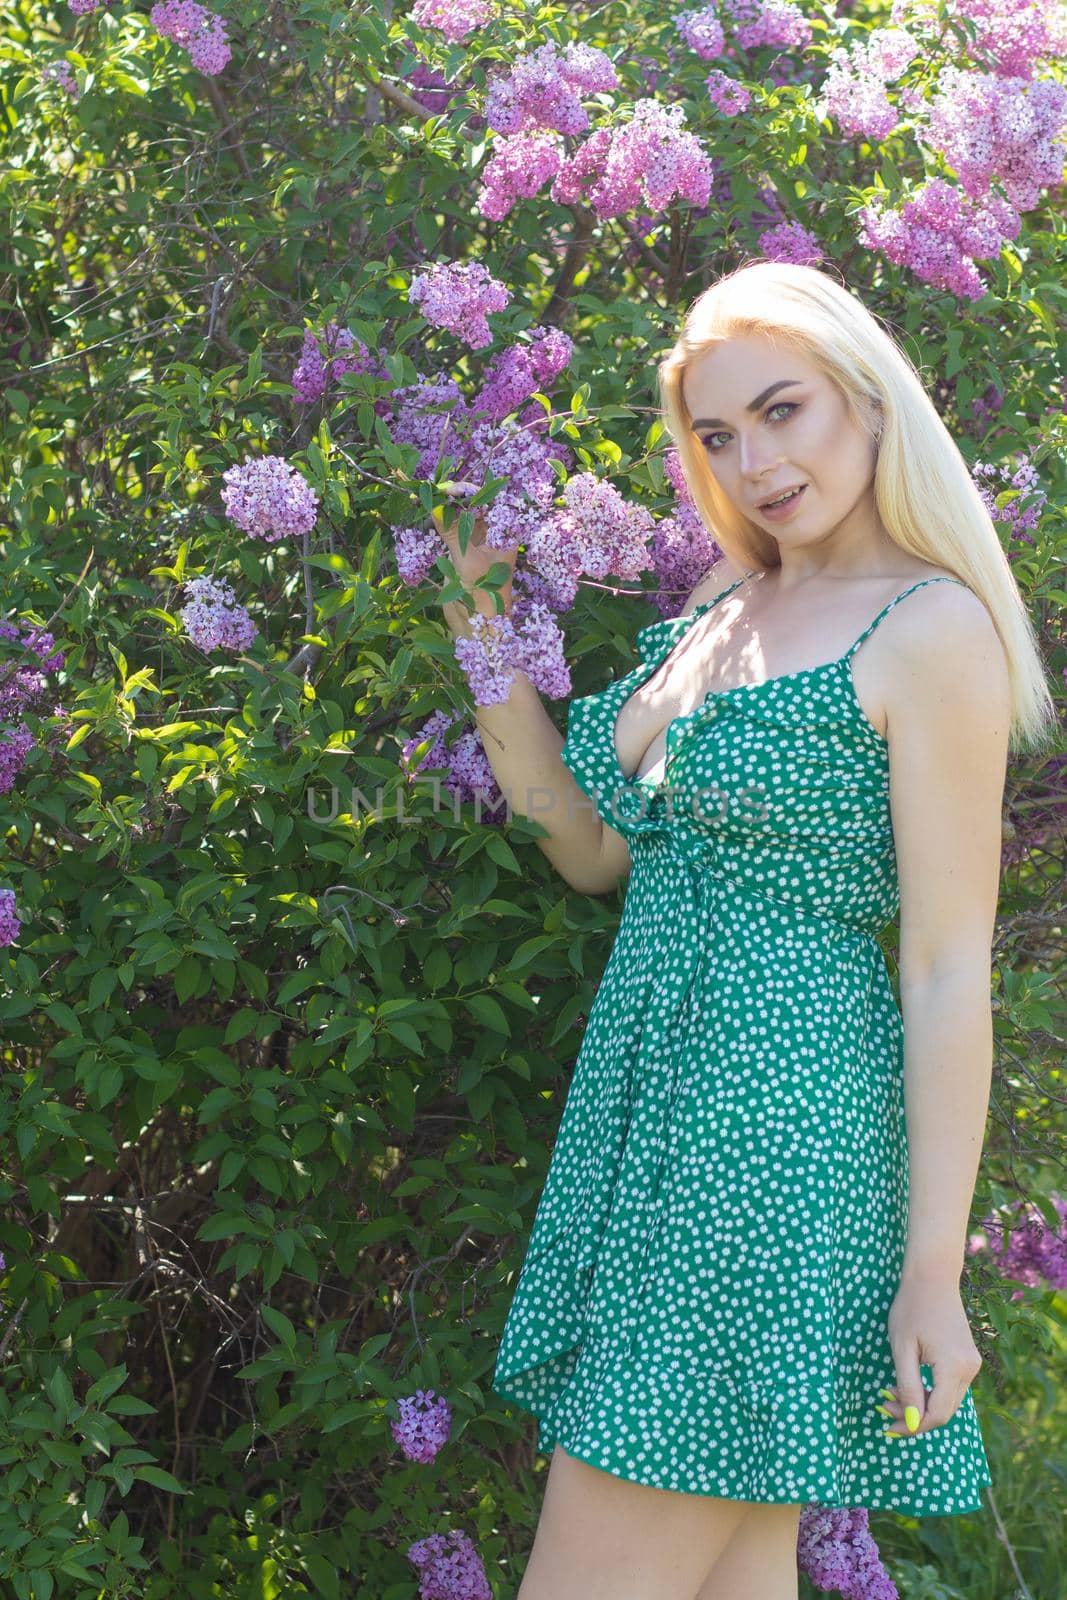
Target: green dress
<point x="703" y="1301"/>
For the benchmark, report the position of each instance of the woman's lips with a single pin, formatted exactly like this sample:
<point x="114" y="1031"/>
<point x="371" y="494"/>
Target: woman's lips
<point x="787" y="506"/>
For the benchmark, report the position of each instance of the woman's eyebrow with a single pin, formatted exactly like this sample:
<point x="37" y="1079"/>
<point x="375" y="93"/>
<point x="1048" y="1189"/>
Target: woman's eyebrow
<point x="753" y="405"/>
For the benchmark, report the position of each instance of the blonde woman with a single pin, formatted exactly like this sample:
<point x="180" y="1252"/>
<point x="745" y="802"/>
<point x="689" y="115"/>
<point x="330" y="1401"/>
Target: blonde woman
<point x="741" y="1293"/>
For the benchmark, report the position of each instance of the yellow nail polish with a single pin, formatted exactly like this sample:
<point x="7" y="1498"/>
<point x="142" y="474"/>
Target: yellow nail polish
<point x="888" y="1394"/>
<point x="885" y="1411"/>
<point x="911" y="1417"/>
<point x="886" y="1434"/>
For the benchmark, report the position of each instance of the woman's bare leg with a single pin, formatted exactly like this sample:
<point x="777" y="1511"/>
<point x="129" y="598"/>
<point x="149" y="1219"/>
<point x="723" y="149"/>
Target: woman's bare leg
<point x="600" y="1537"/>
<point x="760" y="1559"/>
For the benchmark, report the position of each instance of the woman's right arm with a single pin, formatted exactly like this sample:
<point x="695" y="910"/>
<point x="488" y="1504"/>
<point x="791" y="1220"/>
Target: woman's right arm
<point x="522" y="746"/>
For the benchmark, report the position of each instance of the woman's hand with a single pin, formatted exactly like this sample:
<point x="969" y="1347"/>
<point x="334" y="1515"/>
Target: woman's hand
<point x="928" y="1326"/>
<point x="474" y="563"/>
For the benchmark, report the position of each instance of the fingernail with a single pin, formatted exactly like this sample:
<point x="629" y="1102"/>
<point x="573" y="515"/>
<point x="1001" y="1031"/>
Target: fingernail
<point x="885" y="1411"/>
<point x="911" y="1417"/>
<point x="888" y="1394"/>
<point x="886" y="1434"/>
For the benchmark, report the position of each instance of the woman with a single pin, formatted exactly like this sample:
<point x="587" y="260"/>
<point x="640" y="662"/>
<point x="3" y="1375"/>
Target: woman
<point x="754" y="1222"/>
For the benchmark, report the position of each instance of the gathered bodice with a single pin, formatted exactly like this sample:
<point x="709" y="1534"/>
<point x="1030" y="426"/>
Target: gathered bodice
<point x="781" y="787"/>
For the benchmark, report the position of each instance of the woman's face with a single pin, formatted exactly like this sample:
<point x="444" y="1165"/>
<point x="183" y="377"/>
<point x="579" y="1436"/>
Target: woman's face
<point x="766" y="421"/>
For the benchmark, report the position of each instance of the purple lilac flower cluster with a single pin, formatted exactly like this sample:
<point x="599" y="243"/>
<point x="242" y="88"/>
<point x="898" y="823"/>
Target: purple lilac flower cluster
<point x="10" y="926"/>
<point x="726" y="94"/>
<point x="939" y="234"/>
<point x="1022" y="513"/>
<point x="853" y="92"/>
<point x="456" y="296"/>
<point x="23" y="689"/>
<point x="1011" y="36"/>
<point x="789" y="241"/>
<point x="266" y="497"/>
<point x="315" y="369"/>
<point x="702" y="31"/>
<point x="762" y="24"/>
<point x="468" y="774"/>
<point x="1034" y="1253"/>
<point x="648" y="159"/>
<point x="200" y="31"/>
<point x="424" y="1425"/>
<point x="212" y="618"/>
<point x="449" y="1568"/>
<point x="989" y="127"/>
<point x="61" y="73"/>
<point x="682" y="549"/>
<point x="543" y="88"/>
<point x="454" y="18"/>
<point x="836" y="1550"/>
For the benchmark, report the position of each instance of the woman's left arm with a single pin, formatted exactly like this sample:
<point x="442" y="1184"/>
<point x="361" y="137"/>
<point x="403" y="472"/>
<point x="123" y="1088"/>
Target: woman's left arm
<point x="948" y="718"/>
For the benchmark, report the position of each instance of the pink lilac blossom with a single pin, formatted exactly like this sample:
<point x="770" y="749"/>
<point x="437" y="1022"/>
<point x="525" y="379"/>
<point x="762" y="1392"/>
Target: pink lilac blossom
<point x="645" y="162"/>
<point x="84" y="8"/>
<point x="853" y="91"/>
<point x="267" y="498"/>
<point x="1022" y="513"/>
<point x="836" y="1551"/>
<point x="518" y="168"/>
<point x="790" y="242"/>
<point x="424" y="1425"/>
<point x="10" y="926"/>
<point x="62" y="73"/>
<point x="344" y="353"/>
<point x="468" y="774"/>
<point x="762" y="23"/>
<point x="449" y="1568"/>
<point x="1011" y="36"/>
<point x="213" y="620"/>
<point x="1034" y="1253"/>
<point x="457" y="296"/>
<point x="938" y="234"/>
<point x="989" y="128"/>
<point x="454" y="18"/>
<point x="702" y="32"/>
<point x="726" y="94"/>
<point x="543" y="88"/>
<point x="200" y="31"/>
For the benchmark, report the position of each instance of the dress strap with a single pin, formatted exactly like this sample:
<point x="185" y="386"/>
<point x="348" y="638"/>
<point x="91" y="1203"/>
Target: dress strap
<point x="896" y="599"/>
<point x="730" y="587"/>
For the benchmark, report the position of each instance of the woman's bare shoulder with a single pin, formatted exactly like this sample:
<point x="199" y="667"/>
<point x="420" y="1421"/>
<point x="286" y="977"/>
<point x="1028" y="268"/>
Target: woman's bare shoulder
<point x="721" y="576"/>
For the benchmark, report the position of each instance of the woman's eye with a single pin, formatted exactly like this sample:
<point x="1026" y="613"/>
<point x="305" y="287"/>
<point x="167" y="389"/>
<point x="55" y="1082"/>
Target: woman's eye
<point x="788" y="406"/>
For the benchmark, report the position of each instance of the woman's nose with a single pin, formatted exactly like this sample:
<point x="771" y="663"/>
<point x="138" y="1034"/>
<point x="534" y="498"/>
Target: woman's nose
<point x="755" y="457"/>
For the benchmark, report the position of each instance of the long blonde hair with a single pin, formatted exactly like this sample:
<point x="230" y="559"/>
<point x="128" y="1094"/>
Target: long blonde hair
<point x="924" y="493"/>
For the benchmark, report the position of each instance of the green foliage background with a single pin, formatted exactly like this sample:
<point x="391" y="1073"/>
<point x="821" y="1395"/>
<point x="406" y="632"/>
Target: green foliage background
<point x="279" y="1093"/>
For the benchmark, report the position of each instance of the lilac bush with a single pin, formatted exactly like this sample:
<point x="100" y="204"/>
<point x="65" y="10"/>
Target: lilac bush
<point x="280" y="1078"/>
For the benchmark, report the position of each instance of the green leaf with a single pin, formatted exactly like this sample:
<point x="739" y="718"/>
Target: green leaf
<point x="160" y="1480"/>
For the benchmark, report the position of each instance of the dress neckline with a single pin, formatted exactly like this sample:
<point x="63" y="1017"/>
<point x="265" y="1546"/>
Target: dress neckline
<point x="841" y="662"/>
